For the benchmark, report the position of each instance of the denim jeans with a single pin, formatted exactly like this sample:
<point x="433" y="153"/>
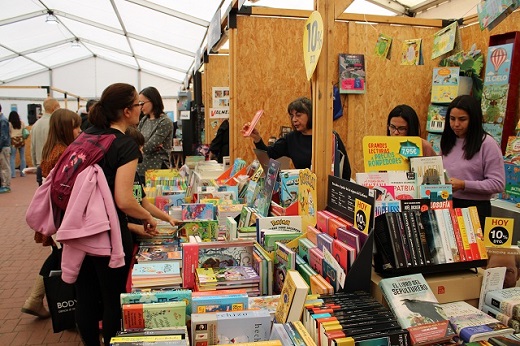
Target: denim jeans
<point x="22" y="160"/>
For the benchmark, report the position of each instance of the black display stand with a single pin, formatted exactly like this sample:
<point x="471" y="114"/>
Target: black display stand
<point x="341" y="198"/>
<point x="425" y="269"/>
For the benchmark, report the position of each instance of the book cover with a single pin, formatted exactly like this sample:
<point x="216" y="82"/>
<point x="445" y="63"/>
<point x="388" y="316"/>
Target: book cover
<point x="322" y="220"/>
<point x="352" y="74"/>
<point x="477" y="229"/>
<point x="206" y="277"/>
<point x="285" y="260"/>
<point x="324" y="241"/>
<point x="472" y="324"/>
<point x="269" y="238"/>
<point x="428" y="169"/>
<point x="411" y="52"/>
<point x="457" y="234"/>
<point x="225" y="254"/>
<point x="440" y="195"/>
<point x="344" y="254"/>
<point x="307" y="197"/>
<point x="404" y="184"/>
<point x="265" y="195"/>
<point x="425" y="249"/>
<point x="413" y="234"/>
<point x="395" y="240"/>
<point x="502" y="317"/>
<point x="206" y="230"/>
<point x="470" y="233"/>
<point x="204" y="329"/>
<point x="443" y="235"/>
<point x="237" y="274"/>
<point x="154" y="315"/>
<point x="267" y="302"/>
<point x="304" y="245"/>
<point x="464" y="234"/>
<point x="158" y="253"/>
<point x="316" y="258"/>
<point x="243" y="326"/>
<point x="506" y="300"/>
<point x="445" y="84"/>
<point x="148" y="269"/>
<point x="158" y="296"/>
<point x="289" y="180"/>
<point x="253" y="122"/>
<point x="292" y="298"/>
<point x="444" y="40"/>
<point x="198" y="211"/>
<point x="279" y="223"/>
<point x="436" y="118"/>
<point x="268" y="258"/>
<point x="216" y="303"/>
<point x="416" y="308"/>
<point x="406" y="244"/>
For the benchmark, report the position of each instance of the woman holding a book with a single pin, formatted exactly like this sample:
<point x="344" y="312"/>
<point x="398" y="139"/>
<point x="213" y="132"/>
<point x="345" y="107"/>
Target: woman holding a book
<point x="403" y="121"/>
<point x="297" y="144"/>
<point x="471" y="157"/>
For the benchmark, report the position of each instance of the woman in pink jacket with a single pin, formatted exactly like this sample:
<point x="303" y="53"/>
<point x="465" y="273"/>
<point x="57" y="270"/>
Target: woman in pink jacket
<point x="99" y="286"/>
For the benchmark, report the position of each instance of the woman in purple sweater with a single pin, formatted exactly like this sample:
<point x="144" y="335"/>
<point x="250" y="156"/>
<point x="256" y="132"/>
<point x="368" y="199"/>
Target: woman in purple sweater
<point x="472" y="158"/>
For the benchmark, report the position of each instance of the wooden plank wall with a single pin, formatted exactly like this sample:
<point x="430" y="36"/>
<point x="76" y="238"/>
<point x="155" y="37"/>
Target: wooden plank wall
<point x="216" y="74"/>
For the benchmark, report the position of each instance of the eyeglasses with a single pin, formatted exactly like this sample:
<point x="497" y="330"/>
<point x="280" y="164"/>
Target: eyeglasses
<point x="400" y="129"/>
<point x="141" y="103"/>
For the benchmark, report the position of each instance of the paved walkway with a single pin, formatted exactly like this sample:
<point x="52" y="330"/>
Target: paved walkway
<point x="20" y="262"/>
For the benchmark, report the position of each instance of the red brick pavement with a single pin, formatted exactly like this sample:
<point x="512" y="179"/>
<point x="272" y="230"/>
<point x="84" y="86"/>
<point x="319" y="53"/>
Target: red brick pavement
<point x="20" y="262"/>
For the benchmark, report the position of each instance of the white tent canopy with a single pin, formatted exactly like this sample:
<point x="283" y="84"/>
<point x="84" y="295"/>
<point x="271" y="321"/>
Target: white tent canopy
<point x="80" y="46"/>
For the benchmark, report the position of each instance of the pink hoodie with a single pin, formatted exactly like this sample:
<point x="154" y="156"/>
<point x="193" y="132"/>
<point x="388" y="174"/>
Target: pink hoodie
<point x="90" y="225"/>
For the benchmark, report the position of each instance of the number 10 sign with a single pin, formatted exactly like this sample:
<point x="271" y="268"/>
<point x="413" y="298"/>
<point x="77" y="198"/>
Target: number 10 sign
<point x="312" y="42"/>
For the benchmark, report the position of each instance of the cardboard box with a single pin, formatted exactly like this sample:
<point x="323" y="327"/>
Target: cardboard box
<point x="447" y="287"/>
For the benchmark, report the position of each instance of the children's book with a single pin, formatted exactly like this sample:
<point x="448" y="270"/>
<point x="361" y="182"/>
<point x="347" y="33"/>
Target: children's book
<point x="265" y="195"/>
<point x="267" y="302"/>
<point x="217" y="302"/>
<point x="445" y="84"/>
<point x="352" y="74"/>
<point x="436" y="118"/>
<point x="383" y="45"/>
<point x="198" y="211"/>
<point x="285" y="259"/>
<point x="154" y="315"/>
<point x="253" y="122"/>
<point x="158" y="253"/>
<point x="416" y="308"/>
<point x="411" y="52"/>
<point x="472" y="324"/>
<point x="292" y="298"/>
<point x="307" y="197"/>
<point x="206" y="230"/>
<point x="152" y="269"/>
<point x="289" y="179"/>
<point x="158" y="296"/>
<point x="279" y="223"/>
<point x="236" y="274"/>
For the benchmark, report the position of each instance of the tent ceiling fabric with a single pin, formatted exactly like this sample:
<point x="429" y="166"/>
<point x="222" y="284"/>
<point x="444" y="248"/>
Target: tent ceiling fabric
<point x="159" y="37"/>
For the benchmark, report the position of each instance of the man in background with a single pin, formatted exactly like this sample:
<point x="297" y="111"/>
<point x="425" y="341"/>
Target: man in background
<point x="85" y="124"/>
<point x="5" y="154"/>
<point x="39" y="133"/>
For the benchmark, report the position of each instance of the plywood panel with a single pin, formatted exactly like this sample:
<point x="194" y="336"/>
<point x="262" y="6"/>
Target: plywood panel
<point x="270" y="74"/>
<point x="388" y="83"/>
<point x="216" y="74"/>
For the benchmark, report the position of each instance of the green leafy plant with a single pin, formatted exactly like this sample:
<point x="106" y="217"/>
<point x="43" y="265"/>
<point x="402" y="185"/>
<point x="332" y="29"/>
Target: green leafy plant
<point x="471" y="64"/>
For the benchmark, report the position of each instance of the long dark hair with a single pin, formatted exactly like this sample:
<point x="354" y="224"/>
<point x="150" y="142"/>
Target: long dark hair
<point x="14" y="119"/>
<point x="302" y="105"/>
<point x="407" y="113"/>
<point x="475" y="133"/>
<point x="155" y="98"/>
<point x="114" y="99"/>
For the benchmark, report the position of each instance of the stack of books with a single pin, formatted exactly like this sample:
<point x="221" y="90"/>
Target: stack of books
<point x="228" y="278"/>
<point x="504" y="305"/>
<point x="172" y="336"/>
<point x="148" y="275"/>
<point x="159" y="253"/>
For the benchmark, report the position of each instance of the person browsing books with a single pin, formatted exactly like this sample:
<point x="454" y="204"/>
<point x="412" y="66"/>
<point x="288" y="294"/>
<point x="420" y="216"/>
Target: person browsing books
<point x="297" y="144"/>
<point x="471" y="157"/>
<point x="98" y="286"/>
<point x="134" y="225"/>
<point x="64" y="127"/>
<point x="403" y="121"/>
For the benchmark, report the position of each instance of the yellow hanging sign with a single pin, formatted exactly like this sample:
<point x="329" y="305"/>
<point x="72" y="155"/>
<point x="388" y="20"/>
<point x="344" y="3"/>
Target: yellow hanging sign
<point x="312" y="42"/>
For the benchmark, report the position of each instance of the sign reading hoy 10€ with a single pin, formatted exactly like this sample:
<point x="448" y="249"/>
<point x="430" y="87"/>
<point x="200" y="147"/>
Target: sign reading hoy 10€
<point x="312" y="42"/>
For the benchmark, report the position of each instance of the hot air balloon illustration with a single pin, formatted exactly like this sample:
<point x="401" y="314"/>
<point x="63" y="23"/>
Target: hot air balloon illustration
<point x="498" y="56"/>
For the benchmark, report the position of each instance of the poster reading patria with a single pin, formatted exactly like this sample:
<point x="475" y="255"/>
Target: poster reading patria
<point x="390" y="153"/>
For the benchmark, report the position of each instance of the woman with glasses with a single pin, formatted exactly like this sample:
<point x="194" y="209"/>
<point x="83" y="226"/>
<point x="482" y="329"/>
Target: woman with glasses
<point x="472" y="158"/>
<point x="157" y="130"/>
<point x="297" y="144"/>
<point x="403" y="121"/>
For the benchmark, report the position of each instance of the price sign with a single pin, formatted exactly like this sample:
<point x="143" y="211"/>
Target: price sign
<point x="498" y="232"/>
<point x="362" y="215"/>
<point x="312" y="42"/>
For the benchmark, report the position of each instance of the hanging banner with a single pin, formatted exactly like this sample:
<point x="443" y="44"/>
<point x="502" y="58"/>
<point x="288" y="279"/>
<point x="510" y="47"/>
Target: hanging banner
<point x="312" y="42"/>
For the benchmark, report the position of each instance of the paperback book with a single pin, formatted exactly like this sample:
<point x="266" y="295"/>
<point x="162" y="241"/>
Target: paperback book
<point x="416" y="308"/>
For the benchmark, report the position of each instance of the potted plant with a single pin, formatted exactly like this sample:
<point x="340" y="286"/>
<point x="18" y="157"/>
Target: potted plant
<point x="470" y="64"/>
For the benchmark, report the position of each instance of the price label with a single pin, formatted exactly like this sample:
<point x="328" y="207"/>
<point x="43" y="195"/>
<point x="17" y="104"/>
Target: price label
<point x="362" y="215"/>
<point x="498" y="232"/>
<point x="312" y="42"/>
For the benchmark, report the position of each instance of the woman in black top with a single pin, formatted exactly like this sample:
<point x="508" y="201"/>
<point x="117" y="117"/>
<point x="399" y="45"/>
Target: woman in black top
<point x="98" y="286"/>
<point x="297" y="145"/>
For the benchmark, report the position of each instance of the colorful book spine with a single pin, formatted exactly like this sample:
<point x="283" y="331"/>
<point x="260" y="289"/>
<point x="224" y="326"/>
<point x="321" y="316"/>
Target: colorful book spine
<point x="153" y="315"/>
